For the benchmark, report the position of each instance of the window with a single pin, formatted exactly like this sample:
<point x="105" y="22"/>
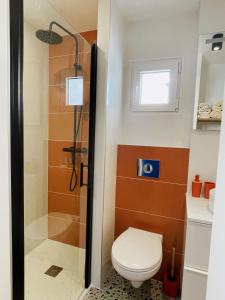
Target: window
<point x="155" y="85"/>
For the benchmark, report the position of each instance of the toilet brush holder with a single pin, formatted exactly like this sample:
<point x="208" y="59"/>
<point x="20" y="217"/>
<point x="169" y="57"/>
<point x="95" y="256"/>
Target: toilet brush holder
<point x="171" y="280"/>
<point x="171" y="285"/>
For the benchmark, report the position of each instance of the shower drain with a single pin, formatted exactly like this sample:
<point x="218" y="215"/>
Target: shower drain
<point x="53" y="271"/>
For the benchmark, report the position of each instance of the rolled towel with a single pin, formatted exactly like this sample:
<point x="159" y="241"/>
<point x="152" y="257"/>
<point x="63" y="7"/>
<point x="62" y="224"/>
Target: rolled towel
<point x="216" y="115"/>
<point x="204" y="115"/>
<point x="201" y="110"/>
<point x="204" y="105"/>
<point x="217" y="107"/>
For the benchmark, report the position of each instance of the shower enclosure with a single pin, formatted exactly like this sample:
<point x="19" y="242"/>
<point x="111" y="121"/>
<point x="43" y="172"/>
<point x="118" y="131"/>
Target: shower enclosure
<point x="53" y="97"/>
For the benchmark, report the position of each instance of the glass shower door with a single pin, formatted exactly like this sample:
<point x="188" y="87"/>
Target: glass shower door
<point x="56" y="154"/>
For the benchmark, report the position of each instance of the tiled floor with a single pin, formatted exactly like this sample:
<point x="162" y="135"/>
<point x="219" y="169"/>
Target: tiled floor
<point x="118" y="288"/>
<point x="68" y="285"/>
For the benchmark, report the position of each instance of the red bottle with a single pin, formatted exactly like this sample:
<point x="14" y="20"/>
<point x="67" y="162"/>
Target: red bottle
<point x="208" y="187"/>
<point x="196" y="187"/>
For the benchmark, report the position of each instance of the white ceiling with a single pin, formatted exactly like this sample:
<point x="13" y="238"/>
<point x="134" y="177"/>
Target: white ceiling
<point x="137" y="10"/>
<point x="81" y="14"/>
<point x="75" y="15"/>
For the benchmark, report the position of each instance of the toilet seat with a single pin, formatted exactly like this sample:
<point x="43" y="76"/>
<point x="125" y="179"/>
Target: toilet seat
<point x="137" y="251"/>
<point x="152" y="268"/>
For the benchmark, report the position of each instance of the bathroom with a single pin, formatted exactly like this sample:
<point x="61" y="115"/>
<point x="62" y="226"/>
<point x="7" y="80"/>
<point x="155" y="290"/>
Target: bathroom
<point x="116" y="107"/>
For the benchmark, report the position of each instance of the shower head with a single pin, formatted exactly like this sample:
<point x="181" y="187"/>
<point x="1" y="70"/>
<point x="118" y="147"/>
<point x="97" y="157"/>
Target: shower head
<point x="49" y="36"/>
<point x="53" y="38"/>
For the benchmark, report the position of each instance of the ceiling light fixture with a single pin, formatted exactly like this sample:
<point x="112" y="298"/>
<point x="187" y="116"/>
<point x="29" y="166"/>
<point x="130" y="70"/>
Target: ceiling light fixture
<point x="217" y="45"/>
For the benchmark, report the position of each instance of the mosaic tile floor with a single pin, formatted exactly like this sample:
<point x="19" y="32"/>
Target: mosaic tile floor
<point x="118" y="288"/>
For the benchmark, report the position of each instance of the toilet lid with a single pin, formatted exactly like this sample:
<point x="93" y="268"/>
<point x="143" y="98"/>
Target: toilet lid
<point x="138" y="250"/>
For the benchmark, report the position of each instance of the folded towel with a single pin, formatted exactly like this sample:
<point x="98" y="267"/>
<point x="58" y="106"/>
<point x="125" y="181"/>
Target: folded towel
<point x="208" y="110"/>
<point x="204" y="115"/>
<point x="216" y="115"/>
<point x="217" y="107"/>
<point x="204" y="105"/>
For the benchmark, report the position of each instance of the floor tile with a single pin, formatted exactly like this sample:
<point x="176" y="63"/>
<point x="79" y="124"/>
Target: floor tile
<point x="118" y="288"/>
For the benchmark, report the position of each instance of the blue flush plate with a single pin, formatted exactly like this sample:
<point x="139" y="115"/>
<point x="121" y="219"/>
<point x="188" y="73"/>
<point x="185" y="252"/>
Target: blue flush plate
<point x="148" y="168"/>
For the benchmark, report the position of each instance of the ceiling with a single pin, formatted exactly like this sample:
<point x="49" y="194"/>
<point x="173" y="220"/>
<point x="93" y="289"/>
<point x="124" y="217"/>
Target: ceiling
<point x="137" y="10"/>
<point x="75" y="15"/>
<point x="81" y="14"/>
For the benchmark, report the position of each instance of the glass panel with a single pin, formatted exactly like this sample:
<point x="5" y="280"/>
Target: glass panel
<point x="155" y="87"/>
<point x="56" y="142"/>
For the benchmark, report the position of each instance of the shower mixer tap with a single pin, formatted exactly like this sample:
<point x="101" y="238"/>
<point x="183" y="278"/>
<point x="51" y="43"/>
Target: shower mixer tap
<point x="78" y="150"/>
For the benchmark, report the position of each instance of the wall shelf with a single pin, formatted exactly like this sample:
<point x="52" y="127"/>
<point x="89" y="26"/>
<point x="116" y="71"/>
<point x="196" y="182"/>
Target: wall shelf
<point x="209" y="120"/>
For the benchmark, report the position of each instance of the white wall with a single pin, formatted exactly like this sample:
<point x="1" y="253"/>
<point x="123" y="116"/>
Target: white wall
<point x="161" y="38"/>
<point x="216" y="287"/>
<point x="5" y="209"/>
<point x="109" y="103"/>
<point x="205" y="144"/>
<point x="113" y="125"/>
<point x="212" y="20"/>
<point x="100" y="139"/>
<point x="203" y="155"/>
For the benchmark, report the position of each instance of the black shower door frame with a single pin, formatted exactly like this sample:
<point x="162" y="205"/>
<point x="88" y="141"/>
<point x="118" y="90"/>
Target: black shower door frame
<point x="17" y="151"/>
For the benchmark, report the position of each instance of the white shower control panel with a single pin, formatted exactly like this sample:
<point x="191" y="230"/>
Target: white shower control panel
<point x="148" y="168"/>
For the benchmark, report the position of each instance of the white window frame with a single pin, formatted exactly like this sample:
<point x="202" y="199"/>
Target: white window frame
<point x="138" y="67"/>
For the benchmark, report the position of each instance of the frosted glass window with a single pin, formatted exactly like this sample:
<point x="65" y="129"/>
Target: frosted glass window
<point x="155" y="87"/>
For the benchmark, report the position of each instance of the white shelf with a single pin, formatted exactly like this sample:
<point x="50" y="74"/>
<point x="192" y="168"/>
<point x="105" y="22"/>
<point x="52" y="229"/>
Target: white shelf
<point x="210" y="120"/>
<point x="198" y="210"/>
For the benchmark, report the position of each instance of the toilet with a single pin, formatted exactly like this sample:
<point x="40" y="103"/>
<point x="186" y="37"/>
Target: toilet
<point x="137" y="255"/>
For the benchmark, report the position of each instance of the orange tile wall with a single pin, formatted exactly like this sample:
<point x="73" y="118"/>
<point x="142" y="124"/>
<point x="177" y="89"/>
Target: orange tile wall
<point x="90" y="36"/>
<point x="60" y="199"/>
<point x="156" y="205"/>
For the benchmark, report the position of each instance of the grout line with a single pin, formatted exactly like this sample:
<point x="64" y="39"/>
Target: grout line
<point x="83" y="197"/>
<point x="64" y="85"/>
<point x="169" y="251"/>
<point x="67" y="112"/>
<point x="67" y="168"/>
<point x="60" y="167"/>
<point x="70" y="54"/>
<point x="154" y="215"/>
<point x="67" y="141"/>
<point x="152" y="180"/>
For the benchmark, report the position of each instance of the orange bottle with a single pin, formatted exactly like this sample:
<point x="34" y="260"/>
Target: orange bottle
<point x="196" y="187"/>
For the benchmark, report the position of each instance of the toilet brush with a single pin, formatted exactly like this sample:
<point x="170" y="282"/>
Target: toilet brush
<point x="172" y="275"/>
<point x="171" y="280"/>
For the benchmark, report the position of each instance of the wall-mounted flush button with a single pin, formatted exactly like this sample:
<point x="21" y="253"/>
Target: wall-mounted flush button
<point x="148" y="168"/>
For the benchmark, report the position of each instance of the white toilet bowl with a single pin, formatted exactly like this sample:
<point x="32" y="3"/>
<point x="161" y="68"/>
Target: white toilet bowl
<point x="137" y="255"/>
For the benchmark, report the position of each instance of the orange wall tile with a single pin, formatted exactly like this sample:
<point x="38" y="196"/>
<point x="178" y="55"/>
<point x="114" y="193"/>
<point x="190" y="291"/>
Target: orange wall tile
<point x="90" y="36"/>
<point x="57" y="98"/>
<point x="153" y="197"/>
<point x="57" y="157"/>
<point x="63" y="203"/>
<point x="61" y="67"/>
<point x="156" y="205"/>
<point x="68" y="45"/>
<point x="171" y="229"/>
<point x="74" y="235"/>
<point x="61" y="124"/>
<point x="174" y="161"/>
